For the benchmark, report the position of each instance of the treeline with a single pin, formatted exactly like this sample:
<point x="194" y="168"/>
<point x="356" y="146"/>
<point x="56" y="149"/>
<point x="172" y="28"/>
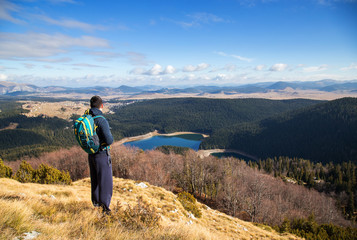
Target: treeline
<point x="337" y="179"/>
<point x="229" y="185"/>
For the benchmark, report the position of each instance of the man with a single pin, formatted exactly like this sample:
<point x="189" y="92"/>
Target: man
<point x="100" y="163"/>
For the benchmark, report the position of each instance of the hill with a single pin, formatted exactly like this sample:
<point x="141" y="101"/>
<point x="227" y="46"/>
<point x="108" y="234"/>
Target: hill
<point x="321" y="90"/>
<point x="65" y="212"/>
<point x="322" y="133"/>
<point x="196" y="114"/>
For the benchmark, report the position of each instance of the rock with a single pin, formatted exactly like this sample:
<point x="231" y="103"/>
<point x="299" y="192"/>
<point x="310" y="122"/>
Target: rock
<point x="143" y="185"/>
<point x="174" y="211"/>
<point x="28" y="236"/>
<point x="190" y="215"/>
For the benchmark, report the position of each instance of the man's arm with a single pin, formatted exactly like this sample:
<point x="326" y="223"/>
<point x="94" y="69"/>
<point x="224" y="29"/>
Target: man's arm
<point x="107" y="135"/>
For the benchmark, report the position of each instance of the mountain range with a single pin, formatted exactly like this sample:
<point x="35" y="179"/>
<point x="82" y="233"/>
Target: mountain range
<point x="327" y="85"/>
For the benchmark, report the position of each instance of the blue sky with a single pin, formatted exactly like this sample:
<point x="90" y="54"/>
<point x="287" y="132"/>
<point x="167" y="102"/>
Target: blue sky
<point x="177" y="42"/>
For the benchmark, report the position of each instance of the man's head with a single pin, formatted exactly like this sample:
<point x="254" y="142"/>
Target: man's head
<point x="96" y="102"/>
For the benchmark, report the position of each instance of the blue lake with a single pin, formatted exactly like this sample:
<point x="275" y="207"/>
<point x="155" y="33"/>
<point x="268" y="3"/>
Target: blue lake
<point x="185" y="140"/>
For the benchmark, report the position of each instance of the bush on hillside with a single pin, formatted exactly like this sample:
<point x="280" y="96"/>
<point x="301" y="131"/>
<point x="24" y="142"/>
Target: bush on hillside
<point x="189" y="203"/>
<point x="5" y="171"/>
<point x="44" y="174"/>
<point x="310" y="229"/>
<point x="25" y="173"/>
<point x="49" y="175"/>
<point x="141" y="216"/>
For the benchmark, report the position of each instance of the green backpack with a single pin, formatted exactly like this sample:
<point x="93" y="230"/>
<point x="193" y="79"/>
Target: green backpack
<point x="85" y="132"/>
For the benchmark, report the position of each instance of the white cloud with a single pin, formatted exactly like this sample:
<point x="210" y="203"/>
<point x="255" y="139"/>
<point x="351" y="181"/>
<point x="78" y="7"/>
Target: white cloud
<point x="136" y="58"/>
<point x="71" y="23"/>
<point x="315" y="68"/>
<point x="230" y="67"/>
<point x="202" y="17"/>
<point x="54" y="60"/>
<point x="260" y="67"/>
<point x="29" y="65"/>
<point x="278" y="67"/>
<point x="199" y="67"/>
<point x="156" y="70"/>
<point x="5" y="9"/>
<point x="245" y="59"/>
<point x="169" y="70"/>
<point x="353" y="66"/>
<point x="62" y="1"/>
<point x="331" y="2"/>
<point x="3" y="77"/>
<point x="197" y="19"/>
<point x="39" y="45"/>
<point x="87" y="65"/>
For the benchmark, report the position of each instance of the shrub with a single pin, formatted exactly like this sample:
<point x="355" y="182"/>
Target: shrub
<point x="49" y="175"/>
<point x="25" y="173"/>
<point x="310" y="230"/>
<point x="142" y="216"/>
<point x="44" y="174"/>
<point x="189" y="203"/>
<point x="5" y="171"/>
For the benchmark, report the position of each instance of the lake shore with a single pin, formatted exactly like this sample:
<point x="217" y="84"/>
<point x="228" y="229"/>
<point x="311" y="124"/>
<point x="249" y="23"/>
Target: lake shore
<point x="201" y="153"/>
<point x="152" y="134"/>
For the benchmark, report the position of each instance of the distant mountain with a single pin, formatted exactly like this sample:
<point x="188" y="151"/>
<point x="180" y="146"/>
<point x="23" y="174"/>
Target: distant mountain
<point x="9" y="88"/>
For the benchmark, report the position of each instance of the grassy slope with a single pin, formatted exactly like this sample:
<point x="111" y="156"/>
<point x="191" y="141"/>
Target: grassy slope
<point x="65" y="212"/>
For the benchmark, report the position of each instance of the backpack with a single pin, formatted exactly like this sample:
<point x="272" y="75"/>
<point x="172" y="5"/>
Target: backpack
<point x="85" y="132"/>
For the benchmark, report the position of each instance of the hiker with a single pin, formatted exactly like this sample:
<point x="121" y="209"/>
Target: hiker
<point x="100" y="163"/>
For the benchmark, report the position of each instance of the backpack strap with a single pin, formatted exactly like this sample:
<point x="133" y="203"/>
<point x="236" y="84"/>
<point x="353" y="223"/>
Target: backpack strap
<point x="98" y="117"/>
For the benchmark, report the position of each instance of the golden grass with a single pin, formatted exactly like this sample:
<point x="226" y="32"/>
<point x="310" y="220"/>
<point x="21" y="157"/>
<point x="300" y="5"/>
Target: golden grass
<point x="65" y="212"/>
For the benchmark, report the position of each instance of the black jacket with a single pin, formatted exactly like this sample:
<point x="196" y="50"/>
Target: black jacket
<point x="103" y="129"/>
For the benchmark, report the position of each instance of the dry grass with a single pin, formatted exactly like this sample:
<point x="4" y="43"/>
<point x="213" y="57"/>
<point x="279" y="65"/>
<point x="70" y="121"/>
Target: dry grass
<point x="63" y="109"/>
<point x="65" y="212"/>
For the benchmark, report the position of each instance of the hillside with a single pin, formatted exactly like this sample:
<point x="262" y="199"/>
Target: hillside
<point x="65" y="212"/>
<point x="196" y="114"/>
<point x="322" y="133"/>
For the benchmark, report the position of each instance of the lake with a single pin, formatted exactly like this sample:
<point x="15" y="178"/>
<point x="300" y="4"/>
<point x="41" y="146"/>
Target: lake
<point x="192" y="141"/>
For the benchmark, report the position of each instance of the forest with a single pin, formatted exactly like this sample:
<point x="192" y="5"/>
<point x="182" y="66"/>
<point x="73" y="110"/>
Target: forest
<point x="314" y="130"/>
<point x="319" y="131"/>
<point x="33" y="135"/>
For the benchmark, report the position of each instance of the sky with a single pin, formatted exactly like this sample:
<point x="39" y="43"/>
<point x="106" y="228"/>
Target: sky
<point x="80" y="43"/>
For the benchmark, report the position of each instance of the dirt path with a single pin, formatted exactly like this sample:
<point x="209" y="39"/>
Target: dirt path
<point x="206" y="153"/>
<point x="11" y="126"/>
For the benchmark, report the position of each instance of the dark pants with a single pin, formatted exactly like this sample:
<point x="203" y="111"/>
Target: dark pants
<point x="101" y="174"/>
